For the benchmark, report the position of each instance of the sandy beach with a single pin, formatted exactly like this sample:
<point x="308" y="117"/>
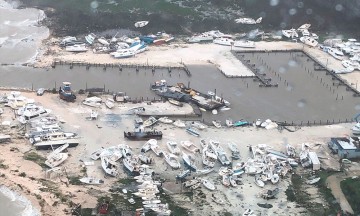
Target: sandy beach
<point x="53" y="194"/>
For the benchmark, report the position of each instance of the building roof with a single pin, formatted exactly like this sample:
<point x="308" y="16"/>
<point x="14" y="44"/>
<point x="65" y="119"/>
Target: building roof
<point x="343" y="143"/>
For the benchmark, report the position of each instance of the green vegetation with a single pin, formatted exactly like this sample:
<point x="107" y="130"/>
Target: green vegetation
<point x="53" y="188"/>
<point x="296" y="193"/>
<point x="126" y="181"/>
<point x="351" y="190"/>
<point x="74" y="180"/>
<point x="33" y="156"/>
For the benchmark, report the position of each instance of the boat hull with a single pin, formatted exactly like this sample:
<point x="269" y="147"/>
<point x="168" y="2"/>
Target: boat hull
<point x="143" y="135"/>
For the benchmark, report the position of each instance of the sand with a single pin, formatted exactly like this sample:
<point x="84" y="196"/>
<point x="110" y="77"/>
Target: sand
<point x="102" y="133"/>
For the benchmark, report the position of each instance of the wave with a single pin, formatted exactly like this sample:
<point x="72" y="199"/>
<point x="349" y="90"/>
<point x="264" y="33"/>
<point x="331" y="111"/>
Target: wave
<point x="29" y="210"/>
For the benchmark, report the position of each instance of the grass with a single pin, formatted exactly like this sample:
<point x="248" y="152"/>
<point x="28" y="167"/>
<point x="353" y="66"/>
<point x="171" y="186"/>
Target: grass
<point x="351" y="190"/>
<point x="74" y="180"/>
<point x="296" y="193"/>
<point x="38" y="159"/>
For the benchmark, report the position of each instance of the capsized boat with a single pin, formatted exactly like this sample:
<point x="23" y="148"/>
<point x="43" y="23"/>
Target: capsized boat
<point x="91" y="180"/>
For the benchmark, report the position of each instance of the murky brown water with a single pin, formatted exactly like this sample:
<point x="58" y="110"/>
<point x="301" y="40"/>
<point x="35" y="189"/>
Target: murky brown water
<point x="302" y="95"/>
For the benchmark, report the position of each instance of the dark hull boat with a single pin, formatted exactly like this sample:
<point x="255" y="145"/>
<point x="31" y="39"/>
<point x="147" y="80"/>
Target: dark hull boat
<point x="66" y="93"/>
<point x="143" y="135"/>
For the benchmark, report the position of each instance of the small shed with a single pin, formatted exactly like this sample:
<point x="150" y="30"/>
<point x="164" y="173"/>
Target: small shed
<point x="314" y="160"/>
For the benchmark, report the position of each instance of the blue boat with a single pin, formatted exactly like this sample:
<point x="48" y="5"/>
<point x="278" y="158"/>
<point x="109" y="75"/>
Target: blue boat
<point x="147" y="39"/>
<point x="66" y="93"/>
<point x="192" y="131"/>
<point x="241" y="123"/>
<point x="189" y="162"/>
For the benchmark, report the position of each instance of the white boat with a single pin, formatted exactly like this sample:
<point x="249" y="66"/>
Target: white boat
<point x="150" y="121"/>
<point x="190" y="146"/>
<point x="214" y="112"/>
<point x="94" y="115"/>
<point x="144" y="159"/>
<point x="203" y="144"/>
<point x="191" y="182"/>
<point x="125" y="151"/>
<point x="229" y="122"/>
<point x="147" y="146"/>
<point x="275" y="178"/>
<point x="335" y="53"/>
<point x="313" y="181"/>
<point x="208" y="184"/>
<point x="248" y="212"/>
<point x="304" y="26"/>
<point x="258" y="123"/>
<point x="103" y="41"/>
<point x="216" y="123"/>
<point x="155" y="201"/>
<point x="244" y="43"/>
<point x="309" y="41"/>
<point x="232" y="181"/>
<point x="248" y="21"/>
<point x="175" y="102"/>
<point x="259" y="182"/>
<point x="179" y="123"/>
<point x="76" y="48"/>
<point x="224" y="41"/>
<point x="171" y="160"/>
<point x="204" y="171"/>
<point x="56" y="159"/>
<point x="130" y="164"/>
<point x="155" y="148"/>
<point x="207" y="161"/>
<point x="109" y="167"/>
<point x="225" y="180"/>
<point x="91" y="180"/>
<point x="124" y="53"/>
<point x="52" y="136"/>
<point x="90" y="38"/>
<point x="198" y="125"/>
<point x="192" y="131"/>
<point x="189" y="161"/>
<point x="92" y="101"/>
<point x="356" y="128"/>
<point x="173" y="147"/>
<point x="290" y="33"/>
<point x="50" y="144"/>
<point x="165" y="120"/>
<point x="109" y="103"/>
<point x="201" y="38"/>
<point x="141" y="24"/>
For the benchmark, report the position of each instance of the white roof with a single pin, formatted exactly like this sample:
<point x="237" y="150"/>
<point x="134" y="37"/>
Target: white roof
<point x="346" y="145"/>
<point x="314" y="158"/>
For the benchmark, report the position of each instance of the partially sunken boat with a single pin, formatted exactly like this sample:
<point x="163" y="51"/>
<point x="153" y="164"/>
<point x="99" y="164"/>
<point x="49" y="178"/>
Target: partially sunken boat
<point x="91" y="180"/>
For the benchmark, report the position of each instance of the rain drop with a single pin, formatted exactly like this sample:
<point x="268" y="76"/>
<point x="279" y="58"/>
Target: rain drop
<point x="339" y="7"/>
<point x="300" y="4"/>
<point x="301" y="103"/>
<point x="292" y="11"/>
<point x="292" y="63"/>
<point x="94" y="4"/>
<point x="357" y="107"/>
<point x="309" y="11"/>
<point x="282" y="70"/>
<point x="274" y="2"/>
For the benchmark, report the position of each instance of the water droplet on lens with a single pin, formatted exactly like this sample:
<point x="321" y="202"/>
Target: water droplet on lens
<point x="301" y="103"/>
<point x="339" y="7"/>
<point x="357" y="107"/>
<point x="292" y="63"/>
<point x="94" y="4"/>
<point x="309" y="11"/>
<point x="292" y="11"/>
<point x="274" y="2"/>
<point x="282" y="70"/>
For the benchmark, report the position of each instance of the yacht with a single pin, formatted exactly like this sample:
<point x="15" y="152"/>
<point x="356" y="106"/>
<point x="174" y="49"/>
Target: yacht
<point x="76" y="48"/>
<point x="244" y="43"/>
<point x="335" y="53"/>
<point x="224" y="41"/>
